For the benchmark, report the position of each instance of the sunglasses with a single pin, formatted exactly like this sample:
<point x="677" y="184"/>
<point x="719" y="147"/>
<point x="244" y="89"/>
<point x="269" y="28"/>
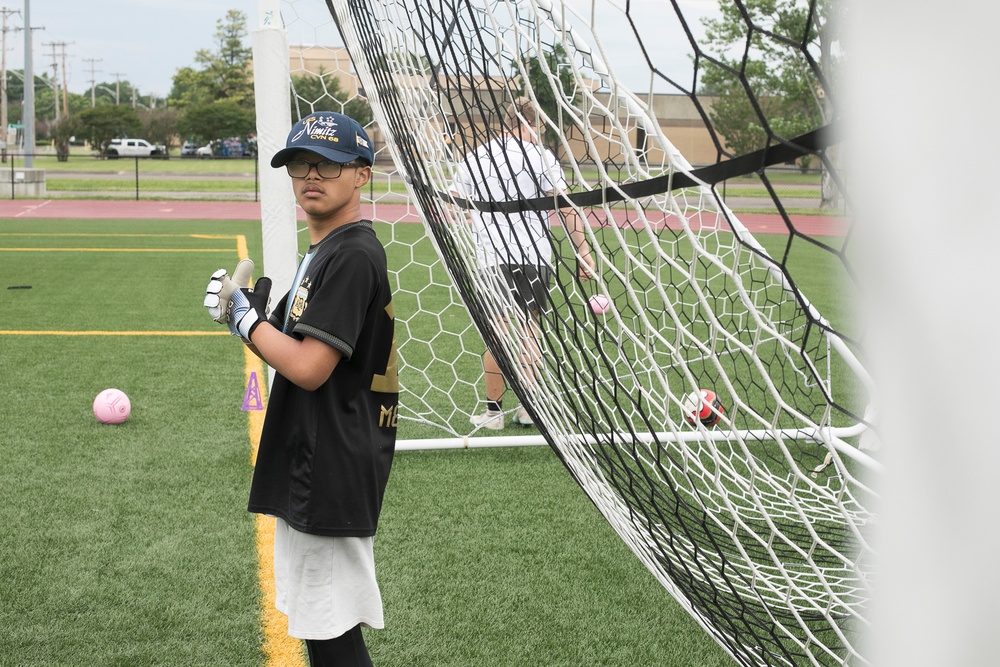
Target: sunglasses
<point x="325" y="168"/>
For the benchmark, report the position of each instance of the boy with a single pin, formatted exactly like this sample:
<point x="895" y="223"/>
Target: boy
<point x="330" y="429"/>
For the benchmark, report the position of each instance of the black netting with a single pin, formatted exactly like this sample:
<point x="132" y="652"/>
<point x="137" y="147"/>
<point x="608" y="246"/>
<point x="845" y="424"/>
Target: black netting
<point x="758" y="523"/>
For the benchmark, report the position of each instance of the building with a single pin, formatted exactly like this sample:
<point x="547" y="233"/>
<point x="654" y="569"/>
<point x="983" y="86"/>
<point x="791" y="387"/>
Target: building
<point x="677" y="115"/>
<point x="330" y="61"/>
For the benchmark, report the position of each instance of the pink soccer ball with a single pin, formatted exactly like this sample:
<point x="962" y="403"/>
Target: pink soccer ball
<point x="112" y="406"/>
<point x="599" y="304"/>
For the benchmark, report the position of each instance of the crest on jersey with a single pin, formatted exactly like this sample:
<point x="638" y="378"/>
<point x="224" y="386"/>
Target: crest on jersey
<point x="300" y="299"/>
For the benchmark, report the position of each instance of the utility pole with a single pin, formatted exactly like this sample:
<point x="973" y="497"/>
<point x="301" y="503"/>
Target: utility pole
<point x="93" y="79"/>
<point x="118" y="86"/>
<point x="65" y="99"/>
<point x="3" y="82"/>
<point x="55" y="76"/>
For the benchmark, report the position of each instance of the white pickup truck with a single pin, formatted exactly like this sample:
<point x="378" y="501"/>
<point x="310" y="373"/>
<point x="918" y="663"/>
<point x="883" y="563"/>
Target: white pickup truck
<point x="133" y="148"/>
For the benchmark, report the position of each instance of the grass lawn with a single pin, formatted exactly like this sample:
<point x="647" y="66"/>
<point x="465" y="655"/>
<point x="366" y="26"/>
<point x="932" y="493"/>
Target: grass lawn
<point x="84" y="174"/>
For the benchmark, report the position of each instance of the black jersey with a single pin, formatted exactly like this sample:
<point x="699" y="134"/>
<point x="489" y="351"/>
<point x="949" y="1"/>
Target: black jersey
<point x="325" y="455"/>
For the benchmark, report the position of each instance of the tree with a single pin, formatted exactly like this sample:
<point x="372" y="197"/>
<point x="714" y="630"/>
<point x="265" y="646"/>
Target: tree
<point x="321" y="92"/>
<point x="160" y="125"/>
<point x="115" y="92"/>
<point x="61" y="132"/>
<point x="226" y="72"/>
<point x="225" y="118"/>
<point x="549" y="92"/>
<point x="359" y="110"/>
<point x="217" y="100"/>
<point x="44" y="97"/>
<point x="190" y="88"/>
<point x="101" y="124"/>
<point x="756" y="57"/>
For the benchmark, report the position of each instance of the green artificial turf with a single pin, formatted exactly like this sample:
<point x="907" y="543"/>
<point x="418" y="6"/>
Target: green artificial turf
<point x="130" y="545"/>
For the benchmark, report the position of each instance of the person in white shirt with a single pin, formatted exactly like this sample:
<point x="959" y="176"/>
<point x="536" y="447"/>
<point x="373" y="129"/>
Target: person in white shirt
<point x="514" y="167"/>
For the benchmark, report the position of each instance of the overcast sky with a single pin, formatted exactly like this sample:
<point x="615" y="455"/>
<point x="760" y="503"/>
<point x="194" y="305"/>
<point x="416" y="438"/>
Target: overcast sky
<point x="146" y="41"/>
<point x="142" y="41"/>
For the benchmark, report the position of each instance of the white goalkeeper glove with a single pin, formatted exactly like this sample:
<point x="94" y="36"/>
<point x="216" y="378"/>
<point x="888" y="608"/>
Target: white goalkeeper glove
<point x="221" y="287"/>
<point x="248" y="308"/>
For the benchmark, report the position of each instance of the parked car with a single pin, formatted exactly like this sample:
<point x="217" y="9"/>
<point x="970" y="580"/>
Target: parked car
<point x="230" y="147"/>
<point x="189" y="149"/>
<point x="233" y="147"/>
<point x="133" y="148"/>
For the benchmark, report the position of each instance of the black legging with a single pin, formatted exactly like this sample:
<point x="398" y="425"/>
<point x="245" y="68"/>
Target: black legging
<point x="347" y="650"/>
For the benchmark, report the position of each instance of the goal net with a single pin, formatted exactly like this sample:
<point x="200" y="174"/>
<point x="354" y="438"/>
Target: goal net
<point x="753" y="513"/>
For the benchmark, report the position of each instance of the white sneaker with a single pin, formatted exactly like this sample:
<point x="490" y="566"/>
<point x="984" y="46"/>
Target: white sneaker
<point x="489" y="419"/>
<point x="522" y="418"/>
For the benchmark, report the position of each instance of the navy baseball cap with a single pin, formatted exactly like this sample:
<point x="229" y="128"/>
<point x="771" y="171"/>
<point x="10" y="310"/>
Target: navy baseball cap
<point x="336" y="137"/>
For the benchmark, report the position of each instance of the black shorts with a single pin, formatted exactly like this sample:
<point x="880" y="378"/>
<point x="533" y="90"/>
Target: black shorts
<point x="530" y="285"/>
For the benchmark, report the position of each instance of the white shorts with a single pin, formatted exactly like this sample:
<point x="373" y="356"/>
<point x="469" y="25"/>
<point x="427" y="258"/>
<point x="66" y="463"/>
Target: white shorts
<point x="325" y="585"/>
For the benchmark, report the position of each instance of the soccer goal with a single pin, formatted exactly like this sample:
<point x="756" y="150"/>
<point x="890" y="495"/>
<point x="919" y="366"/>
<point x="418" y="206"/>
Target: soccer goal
<point x="752" y="511"/>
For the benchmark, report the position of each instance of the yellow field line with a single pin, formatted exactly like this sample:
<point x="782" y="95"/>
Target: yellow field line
<point x="280" y="650"/>
<point x="15" y="332"/>
<point x="241" y="247"/>
<point x="115" y="235"/>
<point x="217" y="236"/>
<point x="116" y="249"/>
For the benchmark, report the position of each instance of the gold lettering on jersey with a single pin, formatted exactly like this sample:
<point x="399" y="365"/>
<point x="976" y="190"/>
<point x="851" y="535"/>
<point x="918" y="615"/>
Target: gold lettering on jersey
<point x="387" y="416"/>
<point x="388" y="382"/>
<point x="300" y="300"/>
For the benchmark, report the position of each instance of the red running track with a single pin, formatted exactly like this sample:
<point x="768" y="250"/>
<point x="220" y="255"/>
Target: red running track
<point x="77" y="209"/>
<point x="17" y="209"/>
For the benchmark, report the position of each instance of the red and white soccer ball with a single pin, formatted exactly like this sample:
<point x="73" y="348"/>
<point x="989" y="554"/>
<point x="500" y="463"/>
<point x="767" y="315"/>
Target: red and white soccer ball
<point x="112" y="406"/>
<point x="698" y="405"/>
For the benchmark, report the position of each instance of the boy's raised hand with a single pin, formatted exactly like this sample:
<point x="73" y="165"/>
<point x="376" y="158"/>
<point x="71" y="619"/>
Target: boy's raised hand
<point x="221" y="287"/>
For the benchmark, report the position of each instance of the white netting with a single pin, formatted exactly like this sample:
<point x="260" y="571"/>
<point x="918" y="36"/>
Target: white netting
<point x="758" y="525"/>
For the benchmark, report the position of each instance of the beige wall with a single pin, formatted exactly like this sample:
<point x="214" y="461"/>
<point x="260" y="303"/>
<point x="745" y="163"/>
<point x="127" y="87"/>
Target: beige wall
<point x="684" y="128"/>
<point x="677" y="115"/>
<point x="679" y="122"/>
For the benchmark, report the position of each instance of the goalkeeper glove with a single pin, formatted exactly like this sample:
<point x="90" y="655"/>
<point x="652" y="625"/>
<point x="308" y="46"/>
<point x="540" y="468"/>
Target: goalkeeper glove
<point x="220" y="289"/>
<point x="248" y="308"/>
